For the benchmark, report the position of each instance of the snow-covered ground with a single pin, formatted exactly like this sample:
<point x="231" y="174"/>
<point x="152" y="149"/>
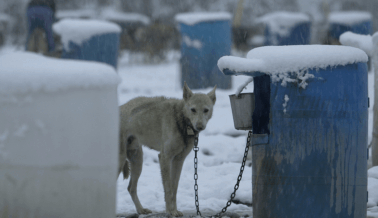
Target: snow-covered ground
<point x="220" y="151"/>
<point x="221" y="147"/>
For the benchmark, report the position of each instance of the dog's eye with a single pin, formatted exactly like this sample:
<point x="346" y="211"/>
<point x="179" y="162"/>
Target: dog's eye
<point x="193" y="110"/>
<point x="206" y="110"/>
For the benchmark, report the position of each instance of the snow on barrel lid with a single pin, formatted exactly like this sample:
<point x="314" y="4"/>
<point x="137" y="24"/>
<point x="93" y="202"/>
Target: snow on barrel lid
<point x="349" y="17"/>
<point x="288" y="19"/>
<point x="110" y="14"/>
<point x="26" y="72"/>
<point x="79" y="30"/>
<point x="197" y="17"/>
<point x="292" y="58"/>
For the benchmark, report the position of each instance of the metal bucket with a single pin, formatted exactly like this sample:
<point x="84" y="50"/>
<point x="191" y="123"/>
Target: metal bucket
<point x="242" y="109"/>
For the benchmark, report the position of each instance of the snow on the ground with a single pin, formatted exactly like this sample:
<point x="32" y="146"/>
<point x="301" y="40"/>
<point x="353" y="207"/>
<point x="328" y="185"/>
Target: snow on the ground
<point x="219" y="157"/>
<point x="220" y="151"/>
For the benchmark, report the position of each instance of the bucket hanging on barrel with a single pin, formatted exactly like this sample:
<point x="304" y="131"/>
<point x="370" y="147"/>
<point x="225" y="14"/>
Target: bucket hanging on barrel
<point x="242" y="106"/>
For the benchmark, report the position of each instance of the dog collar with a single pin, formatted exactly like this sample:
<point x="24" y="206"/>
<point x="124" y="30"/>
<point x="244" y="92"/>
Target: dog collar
<point x="189" y="131"/>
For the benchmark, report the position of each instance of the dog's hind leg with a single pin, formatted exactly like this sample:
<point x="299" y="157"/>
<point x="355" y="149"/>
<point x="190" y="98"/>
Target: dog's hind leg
<point x="135" y="158"/>
<point x="122" y="162"/>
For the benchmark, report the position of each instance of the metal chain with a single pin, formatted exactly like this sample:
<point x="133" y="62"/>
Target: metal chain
<point x="196" y="148"/>
<point x="236" y="187"/>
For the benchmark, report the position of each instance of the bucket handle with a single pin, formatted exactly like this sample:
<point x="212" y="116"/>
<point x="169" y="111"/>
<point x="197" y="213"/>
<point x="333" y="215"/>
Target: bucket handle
<point x="242" y="87"/>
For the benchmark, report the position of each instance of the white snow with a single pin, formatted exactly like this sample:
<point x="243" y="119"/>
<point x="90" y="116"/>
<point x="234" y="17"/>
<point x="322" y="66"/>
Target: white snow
<point x="360" y="41"/>
<point x="24" y="72"/>
<point x="111" y="14"/>
<point x="293" y="58"/>
<point x="281" y="62"/>
<point x="286" y="100"/>
<point x="193" y="18"/>
<point x="257" y="40"/>
<point x="349" y="17"/>
<point x="280" y="23"/>
<point x="281" y="59"/>
<point x="243" y="86"/>
<point x="217" y="171"/>
<point x="58" y="131"/>
<point x="80" y="13"/>
<point x="4" y="17"/>
<point x="78" y="30"/>
<point x="195" y="43"/>
<point x="373" y="191"/>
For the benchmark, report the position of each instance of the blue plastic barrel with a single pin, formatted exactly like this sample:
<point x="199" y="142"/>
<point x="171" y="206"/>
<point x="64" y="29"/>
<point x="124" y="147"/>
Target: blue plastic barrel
<point x="286" y="28"/>
<point x="356" y="22"/>
<point x="205" y="37"/>
<point x="309" y="145"/>
<point x="89" y="40"/>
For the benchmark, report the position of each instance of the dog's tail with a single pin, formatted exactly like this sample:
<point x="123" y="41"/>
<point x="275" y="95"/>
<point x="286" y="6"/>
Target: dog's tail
<point x="126" y="170"/>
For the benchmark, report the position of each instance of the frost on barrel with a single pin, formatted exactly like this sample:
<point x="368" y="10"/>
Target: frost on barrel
<point x="311" y="103"/>
<point x="58" y="137"/>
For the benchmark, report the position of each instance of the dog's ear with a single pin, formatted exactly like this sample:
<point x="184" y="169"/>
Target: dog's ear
<point x="187" y="92"/>
<point x="212" y="94"/>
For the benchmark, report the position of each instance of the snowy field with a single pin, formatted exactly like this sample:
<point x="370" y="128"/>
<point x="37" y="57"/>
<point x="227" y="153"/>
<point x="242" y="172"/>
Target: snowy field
<point x="221" y="147"/>
<point x="220" y="151"/>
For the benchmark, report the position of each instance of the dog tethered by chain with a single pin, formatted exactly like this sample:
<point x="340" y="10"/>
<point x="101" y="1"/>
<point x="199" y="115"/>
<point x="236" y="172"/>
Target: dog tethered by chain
<point x="196" y="149"/>
<point x="242" y="105"/>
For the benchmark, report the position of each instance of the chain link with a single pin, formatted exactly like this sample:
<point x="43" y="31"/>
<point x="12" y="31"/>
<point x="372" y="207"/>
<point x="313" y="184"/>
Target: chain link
<point x="236" y="187"/>
<point x="196" y="148"/>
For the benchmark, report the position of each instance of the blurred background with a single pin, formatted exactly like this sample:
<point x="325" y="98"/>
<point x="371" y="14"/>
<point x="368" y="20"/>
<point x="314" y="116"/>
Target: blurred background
<point x="155" y="19"/>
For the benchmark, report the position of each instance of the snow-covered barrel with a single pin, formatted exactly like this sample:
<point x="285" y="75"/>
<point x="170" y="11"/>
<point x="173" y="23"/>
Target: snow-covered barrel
<point x="205" y="37"/>
<point x="129" y="23"/>
<point x="58" y="137"/>
<point x="286" y="28"/>
<point x="309" y="143"/>
<point x="355" y="21"/>
<point x="91" y="40"/>
<point x="125" y="20"/>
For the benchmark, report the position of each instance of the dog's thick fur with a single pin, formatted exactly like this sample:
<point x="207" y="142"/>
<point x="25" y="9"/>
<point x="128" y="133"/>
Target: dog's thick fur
<point x="161" y="124"/>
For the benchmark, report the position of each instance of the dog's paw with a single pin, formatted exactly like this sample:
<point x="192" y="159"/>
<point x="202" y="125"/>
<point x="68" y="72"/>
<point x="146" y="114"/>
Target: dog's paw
<point x="144" y="211"/>
<point x="175" y="213"/>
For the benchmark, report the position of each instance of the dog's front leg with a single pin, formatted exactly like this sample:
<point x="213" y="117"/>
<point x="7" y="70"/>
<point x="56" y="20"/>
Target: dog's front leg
<point x="177" y="164"/>
<point x="166" y="167"/>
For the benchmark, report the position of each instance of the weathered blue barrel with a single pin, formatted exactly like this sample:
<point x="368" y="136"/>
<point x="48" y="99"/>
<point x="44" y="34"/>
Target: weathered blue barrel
<point x="355" y="21"/>
<point x="205" y="38"/>
<point x="286" y="28"/>
<point x="90" y="40"/>
<point x="309" y="145"/>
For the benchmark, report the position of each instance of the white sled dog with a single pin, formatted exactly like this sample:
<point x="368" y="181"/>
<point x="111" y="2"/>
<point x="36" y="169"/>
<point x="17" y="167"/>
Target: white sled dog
<point x="168" y="126"/>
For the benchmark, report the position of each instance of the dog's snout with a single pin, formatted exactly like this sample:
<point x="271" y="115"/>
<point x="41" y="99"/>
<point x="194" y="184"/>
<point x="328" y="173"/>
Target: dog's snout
<point x="200" y="127"/>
